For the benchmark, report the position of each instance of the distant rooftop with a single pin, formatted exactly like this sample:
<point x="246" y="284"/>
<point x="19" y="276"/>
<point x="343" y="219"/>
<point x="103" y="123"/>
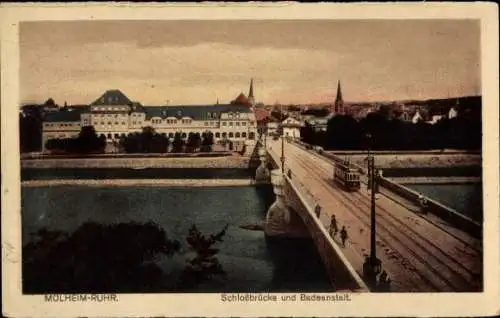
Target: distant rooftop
<point x="112" y="97"/>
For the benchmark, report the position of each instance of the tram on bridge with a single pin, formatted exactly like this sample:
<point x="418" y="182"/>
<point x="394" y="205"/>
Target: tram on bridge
<point x="346" y="176"/>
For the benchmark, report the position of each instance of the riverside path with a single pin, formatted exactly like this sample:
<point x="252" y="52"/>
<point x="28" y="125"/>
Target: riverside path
<point x="419" y="254"/>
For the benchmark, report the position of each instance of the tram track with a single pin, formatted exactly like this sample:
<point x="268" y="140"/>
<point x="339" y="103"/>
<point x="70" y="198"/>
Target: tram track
<point x="439" y="267"/>
<point x="395" y="250"/>
<point x="468" y="245"/>
<point x="398" y="220"/>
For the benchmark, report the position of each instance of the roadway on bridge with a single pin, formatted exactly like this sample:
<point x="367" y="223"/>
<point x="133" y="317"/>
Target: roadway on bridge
<point x="419" y="255"/>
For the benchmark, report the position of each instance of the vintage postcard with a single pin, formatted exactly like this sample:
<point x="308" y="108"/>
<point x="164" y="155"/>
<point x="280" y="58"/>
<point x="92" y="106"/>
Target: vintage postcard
<point x="274" y="159"/>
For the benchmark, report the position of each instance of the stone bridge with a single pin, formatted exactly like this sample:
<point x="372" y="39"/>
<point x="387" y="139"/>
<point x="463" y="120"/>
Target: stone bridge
<point x="293" y="215"/>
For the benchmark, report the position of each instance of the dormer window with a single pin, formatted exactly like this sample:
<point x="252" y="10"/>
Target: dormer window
<point x="179" y="113"/>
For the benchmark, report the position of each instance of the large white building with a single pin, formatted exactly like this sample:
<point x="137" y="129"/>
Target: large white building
<point x="291" y="127"/>
<point x="114" y="116"/>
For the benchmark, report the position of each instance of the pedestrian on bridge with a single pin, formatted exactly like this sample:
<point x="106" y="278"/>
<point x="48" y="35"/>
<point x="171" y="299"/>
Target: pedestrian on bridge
<point x="343" y="235"/>
<point x="333" y="226"/>
<point x="317" y="210"/>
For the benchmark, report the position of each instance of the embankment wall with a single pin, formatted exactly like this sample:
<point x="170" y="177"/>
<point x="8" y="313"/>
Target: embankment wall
<point x="448" y="214"/>
<point x="139" y="162"/>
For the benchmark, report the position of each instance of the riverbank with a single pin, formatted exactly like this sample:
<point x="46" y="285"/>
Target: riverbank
<point x="436" y="180"/>
<point x="142" y="182"/>
<point x="139" y="163"/>
<point x="416" y="160"/>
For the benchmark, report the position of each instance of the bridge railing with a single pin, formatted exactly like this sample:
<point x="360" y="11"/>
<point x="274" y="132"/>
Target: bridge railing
<point x="322" y="229"/>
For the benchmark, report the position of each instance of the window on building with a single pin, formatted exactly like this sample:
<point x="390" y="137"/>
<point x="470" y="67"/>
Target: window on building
<point x="183" y="135"/>
<point x="175" y="121"/>
<point x="231" y="135"/>
<point x="116" y="123"/>
<point x="224" y="135"/>
<point x="251" y="136"/>
<point x="123" y="123"/>
<point x="217" y="135"/>
<point x="237" y="135"/>
<point x="206" y="123"/>
<point x="244" y="123"/>
<point x="117" y="136"/>
<point x="243" y="135"/>
<point x="170" y="135"/>
<point x="237" y="123"/>
<point x="109" y="136"/>
<point x="223" y="123"/>
<point x="230" y="123"/>
<point x="102" y="123"/>
<point x="109" y="123"/>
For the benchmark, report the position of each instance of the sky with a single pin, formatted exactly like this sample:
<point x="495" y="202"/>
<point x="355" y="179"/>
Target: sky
<point x="198" y="62"/>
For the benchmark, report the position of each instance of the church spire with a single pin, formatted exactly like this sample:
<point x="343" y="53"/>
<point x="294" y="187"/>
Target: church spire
<point x="251" y="99"/>
<point x="339" y="101"/>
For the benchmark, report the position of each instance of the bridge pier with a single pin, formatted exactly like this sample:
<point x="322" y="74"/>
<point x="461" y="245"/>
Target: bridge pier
<point x="262" y="174"/>
<point x="281" y="219"/>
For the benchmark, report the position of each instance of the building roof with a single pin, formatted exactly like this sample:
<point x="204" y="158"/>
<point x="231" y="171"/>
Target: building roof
<point x="241" y="100"/>
<point x="112" y="97"/>
<point x="291" y="123"/>
<point x="261" y="114"/>
<point x="66" y="115"/>
<point x="197" y="112"/>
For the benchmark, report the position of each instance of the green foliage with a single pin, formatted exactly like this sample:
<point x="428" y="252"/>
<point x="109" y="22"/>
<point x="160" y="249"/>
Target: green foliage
<point x="204" y="265"/>
<point x="207" y="142"/>
<point x="344" y="132"/>
<point x="193" y="142"/>
<point x="177" y="143"/>
<point x="86" y="142"/>
<point x="147" y="141"/>
<point x="96" y="258"/>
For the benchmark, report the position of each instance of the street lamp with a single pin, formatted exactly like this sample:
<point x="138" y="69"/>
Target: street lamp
<point x="282" y="142"/>
<point x="373" y="265"/>
<point x="368" y="160"/>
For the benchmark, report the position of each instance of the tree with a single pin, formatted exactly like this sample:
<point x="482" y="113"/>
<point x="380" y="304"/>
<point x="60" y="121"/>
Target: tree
<point x="193" y="142"/>
<point x="177" y="143"/>
<point x="147" y="141"/>
<point x="88" y="141"/>
<point x="50" y="102"/>
<point x="207" y="142"/>
<point x="204" y="265"/>
<point x="96" y="258"/>
<point x="343" y="132"/>
<point x="317" y="112"/>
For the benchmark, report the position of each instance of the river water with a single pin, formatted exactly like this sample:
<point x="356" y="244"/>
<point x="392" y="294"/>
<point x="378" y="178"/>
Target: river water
<point x="252" y="263"/>
<point x="465" y="198"/>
